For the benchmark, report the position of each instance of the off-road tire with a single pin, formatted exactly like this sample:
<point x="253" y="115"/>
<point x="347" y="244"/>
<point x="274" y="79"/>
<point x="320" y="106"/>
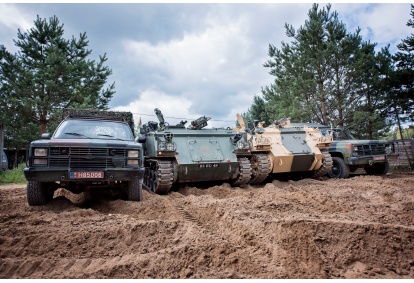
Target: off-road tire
<point x="260" y="168"/>
<point x="339" y="169"/>
<point x="245" y="170"/>
<point x="38" y="193"/>
<point x="134" y="192"/>
<point x="377" y="169"/>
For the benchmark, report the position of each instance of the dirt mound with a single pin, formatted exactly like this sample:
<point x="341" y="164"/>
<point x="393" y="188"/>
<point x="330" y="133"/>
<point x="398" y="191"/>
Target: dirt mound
<point x="361" y="227"/>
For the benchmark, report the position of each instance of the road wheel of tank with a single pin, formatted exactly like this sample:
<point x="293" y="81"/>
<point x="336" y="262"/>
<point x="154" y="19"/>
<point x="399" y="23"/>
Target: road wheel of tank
<point x="38" y="193"/>
<point x="260" y="168"/>
<point x="162" y="176"/>
<point x="339" y="169"/>
<point x="245" y="175"/>
<point x="135" y="190"/>
<point x="378" y="169"/>
<point x="327" y="163"/>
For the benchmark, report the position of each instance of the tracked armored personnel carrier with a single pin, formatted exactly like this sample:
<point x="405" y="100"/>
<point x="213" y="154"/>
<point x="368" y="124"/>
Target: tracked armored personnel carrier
<point x="281" y="148"/>
<point x="89" y="149"/>
<point x="180" y="154"/>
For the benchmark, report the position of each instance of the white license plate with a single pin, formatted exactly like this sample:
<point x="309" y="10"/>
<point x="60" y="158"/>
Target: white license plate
<point x="86" y="175"/>
<point x="381" y="157"/>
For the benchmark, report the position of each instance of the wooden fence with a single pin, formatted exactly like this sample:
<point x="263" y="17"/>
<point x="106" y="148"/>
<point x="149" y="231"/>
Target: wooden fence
<point x="399" y="148"/>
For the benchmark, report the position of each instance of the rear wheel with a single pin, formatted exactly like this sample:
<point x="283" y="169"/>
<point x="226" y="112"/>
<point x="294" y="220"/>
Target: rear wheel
<point x="38" y="193"/>
<point x="339" y="169"/>
<point x="377" y="169"/>
<point x="135" y="189"/>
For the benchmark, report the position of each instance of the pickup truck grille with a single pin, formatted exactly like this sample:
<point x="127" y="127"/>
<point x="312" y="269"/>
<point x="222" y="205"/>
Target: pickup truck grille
<point x="371" y="149"/>
<point x="85" y="157"/>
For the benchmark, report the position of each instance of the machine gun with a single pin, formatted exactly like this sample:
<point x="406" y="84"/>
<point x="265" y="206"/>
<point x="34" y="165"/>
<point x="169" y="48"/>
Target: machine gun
<point x="199" y="123"/>
<point x="160" y="118"/>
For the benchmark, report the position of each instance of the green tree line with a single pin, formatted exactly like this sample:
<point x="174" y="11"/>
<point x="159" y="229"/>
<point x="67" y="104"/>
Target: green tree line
<point x="47" y="74"/>
<point x="329" y="75"/>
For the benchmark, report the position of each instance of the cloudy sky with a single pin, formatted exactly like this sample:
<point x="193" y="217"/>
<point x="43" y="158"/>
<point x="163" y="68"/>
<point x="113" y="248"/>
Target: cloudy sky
<point x="191" y="60"/>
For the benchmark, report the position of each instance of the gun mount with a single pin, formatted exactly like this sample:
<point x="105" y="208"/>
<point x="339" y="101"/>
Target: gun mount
<point x="160" y="118"/>
<point x="199" y="123"/>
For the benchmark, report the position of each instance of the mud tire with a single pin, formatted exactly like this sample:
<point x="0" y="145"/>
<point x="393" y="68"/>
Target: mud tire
<point x="38" y="193"/>
<point x="135" y="190"/>
<point x="339" y="169"/>
<point x="377" y="169"/>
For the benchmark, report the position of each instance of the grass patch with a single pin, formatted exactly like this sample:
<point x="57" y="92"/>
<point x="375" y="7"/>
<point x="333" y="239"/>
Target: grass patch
<point x="15" y="176"/>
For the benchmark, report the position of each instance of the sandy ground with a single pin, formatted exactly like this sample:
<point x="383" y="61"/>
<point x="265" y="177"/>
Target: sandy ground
<point x="361" y="227"/>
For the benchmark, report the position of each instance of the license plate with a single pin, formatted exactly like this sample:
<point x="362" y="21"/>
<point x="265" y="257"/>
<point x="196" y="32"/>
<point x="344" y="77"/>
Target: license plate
<point x="86" y="175"/>
<point x="210" y="165"/>
<point x="381" y="157"/>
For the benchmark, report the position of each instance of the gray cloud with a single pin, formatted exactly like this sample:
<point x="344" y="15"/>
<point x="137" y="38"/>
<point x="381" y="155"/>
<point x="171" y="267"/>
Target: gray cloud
<point x="194" y="59"/>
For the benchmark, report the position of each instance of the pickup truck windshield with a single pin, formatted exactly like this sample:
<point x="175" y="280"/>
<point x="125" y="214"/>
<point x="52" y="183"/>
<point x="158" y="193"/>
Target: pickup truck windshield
<point x="86" y="129"/>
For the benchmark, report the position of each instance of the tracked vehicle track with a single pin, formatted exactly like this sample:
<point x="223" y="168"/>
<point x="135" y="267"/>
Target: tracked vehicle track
<point x="245" y="169"/>
<point x="159" y="176"/>
<point x="326" y="166"/>
<point x="260" y="168"/>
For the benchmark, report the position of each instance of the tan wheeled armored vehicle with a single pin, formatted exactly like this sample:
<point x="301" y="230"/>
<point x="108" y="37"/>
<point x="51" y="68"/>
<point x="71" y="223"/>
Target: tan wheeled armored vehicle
<point x="281" y="148"/>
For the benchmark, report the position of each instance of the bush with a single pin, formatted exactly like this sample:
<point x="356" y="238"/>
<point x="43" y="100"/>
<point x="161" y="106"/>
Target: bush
<point x="15" y="176"/>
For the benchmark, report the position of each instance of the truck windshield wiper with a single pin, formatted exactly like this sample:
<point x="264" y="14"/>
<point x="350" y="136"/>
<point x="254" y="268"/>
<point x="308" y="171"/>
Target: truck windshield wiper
<point x="109" y="136"/>
<point x="77" y="134"/>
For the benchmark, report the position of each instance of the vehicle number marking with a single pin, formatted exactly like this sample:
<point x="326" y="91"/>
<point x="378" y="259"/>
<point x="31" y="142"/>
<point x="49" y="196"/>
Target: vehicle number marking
<point x="381" y="157"/>
<point x="212" y="165"/>
<point x="86" y="175"/>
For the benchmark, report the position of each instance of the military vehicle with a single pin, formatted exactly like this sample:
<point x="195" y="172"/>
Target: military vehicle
<point x="88" y="149"/>
<point x="349" y="154"/>
<point x="283" y="149"/>
<point x="180" y="154"/>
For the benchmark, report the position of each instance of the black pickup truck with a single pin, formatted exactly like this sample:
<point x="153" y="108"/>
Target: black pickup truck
<point x="89" y="150"/>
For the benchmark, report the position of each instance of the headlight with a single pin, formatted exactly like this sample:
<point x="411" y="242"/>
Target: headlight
<point x="170" y="146"/>
<point x="240" y="145"/>
<point x="161" y="146"/>
<point x="133" y="154"/>
<point x="355" y="148"/>
<point x="388" y="150"/>
<point x="40" y="152"/>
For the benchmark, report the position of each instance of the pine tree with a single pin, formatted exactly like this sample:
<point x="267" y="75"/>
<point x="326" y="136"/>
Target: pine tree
<point x="49" y="73"/>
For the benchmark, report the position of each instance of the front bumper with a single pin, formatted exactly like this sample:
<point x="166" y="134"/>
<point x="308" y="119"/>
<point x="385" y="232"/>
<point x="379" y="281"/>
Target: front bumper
<point x="54" y="175"/>
<point x="369" y="160"/>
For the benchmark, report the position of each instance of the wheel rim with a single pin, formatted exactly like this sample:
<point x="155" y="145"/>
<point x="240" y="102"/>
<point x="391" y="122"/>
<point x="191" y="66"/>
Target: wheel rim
<point x="336" y="169"/>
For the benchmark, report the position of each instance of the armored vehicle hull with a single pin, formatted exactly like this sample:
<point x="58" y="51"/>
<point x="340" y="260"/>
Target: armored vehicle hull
<point x="176" y="154"/>
<point x="281" y="148"/>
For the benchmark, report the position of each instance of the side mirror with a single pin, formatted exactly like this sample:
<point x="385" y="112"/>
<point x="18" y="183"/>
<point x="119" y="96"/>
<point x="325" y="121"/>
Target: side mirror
<point x="45" y="136"/>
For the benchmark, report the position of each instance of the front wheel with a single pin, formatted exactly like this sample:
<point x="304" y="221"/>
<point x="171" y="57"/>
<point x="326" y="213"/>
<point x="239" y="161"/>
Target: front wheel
<point x="38" y="193"/>
<point x="135" y="190"/>
<point x="377" y="169"/>
<point x="339" y="169"/>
